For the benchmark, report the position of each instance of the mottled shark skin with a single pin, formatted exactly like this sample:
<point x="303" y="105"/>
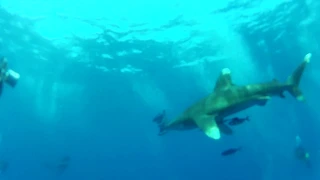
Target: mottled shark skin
<point x="227" y="98"/>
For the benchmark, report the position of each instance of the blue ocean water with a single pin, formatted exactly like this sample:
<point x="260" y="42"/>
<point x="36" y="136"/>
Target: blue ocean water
<point x="94" y="74"/>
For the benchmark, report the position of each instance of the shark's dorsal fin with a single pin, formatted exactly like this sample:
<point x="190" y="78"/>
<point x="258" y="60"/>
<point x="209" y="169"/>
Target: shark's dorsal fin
<point x="224" y="80"/>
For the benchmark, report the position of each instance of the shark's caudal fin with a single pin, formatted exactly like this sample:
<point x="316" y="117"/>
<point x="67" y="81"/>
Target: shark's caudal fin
<point x="294" y="79"/>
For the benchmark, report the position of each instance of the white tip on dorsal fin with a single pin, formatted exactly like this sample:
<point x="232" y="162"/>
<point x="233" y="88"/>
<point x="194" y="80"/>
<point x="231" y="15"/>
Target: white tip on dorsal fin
<point x="307" y="57"/>
<point x="224" y="80"/>
<point x="226" y="71"/>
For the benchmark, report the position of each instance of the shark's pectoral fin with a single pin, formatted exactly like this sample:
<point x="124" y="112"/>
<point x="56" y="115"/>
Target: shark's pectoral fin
<point x="225" y="129"/>
<point x="209" y="126"/>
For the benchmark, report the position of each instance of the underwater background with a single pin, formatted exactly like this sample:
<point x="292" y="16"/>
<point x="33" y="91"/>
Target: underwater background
<point x="95" y="73"/>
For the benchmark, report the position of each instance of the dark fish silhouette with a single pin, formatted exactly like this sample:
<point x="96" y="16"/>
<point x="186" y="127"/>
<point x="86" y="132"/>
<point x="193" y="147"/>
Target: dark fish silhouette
<point x="301" y="153"/>
<point x="236" y="121"/>
<point x="230" y="151"/>
<point x="63" y="164"/>
<point x="159" y="118"/>
<point x="60" y="166"/>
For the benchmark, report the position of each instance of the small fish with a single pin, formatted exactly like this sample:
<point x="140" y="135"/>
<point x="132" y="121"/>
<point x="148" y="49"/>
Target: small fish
<point x="159" y="118"/>
<point x="230" y="151"/>
<point x="63" y="164"/>
<point x="60" y="166"/>
<point x="236" y="121"/>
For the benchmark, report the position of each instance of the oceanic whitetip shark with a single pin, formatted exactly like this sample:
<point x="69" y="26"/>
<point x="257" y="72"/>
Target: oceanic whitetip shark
<point x="226" y="99"/>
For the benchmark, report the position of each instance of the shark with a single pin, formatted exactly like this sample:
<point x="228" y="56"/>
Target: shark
<point x="227" y="98"/>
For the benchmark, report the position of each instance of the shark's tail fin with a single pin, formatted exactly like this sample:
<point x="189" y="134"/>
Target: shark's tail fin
<point x="294" y="80"/>
<point x="160" y="119"/>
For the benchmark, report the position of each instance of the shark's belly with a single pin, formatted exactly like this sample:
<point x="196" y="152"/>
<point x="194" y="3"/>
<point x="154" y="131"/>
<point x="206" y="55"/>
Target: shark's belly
<point x="184" y="126"/>
<point x="223" y="106"/>
<point x="240" y="106"/>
